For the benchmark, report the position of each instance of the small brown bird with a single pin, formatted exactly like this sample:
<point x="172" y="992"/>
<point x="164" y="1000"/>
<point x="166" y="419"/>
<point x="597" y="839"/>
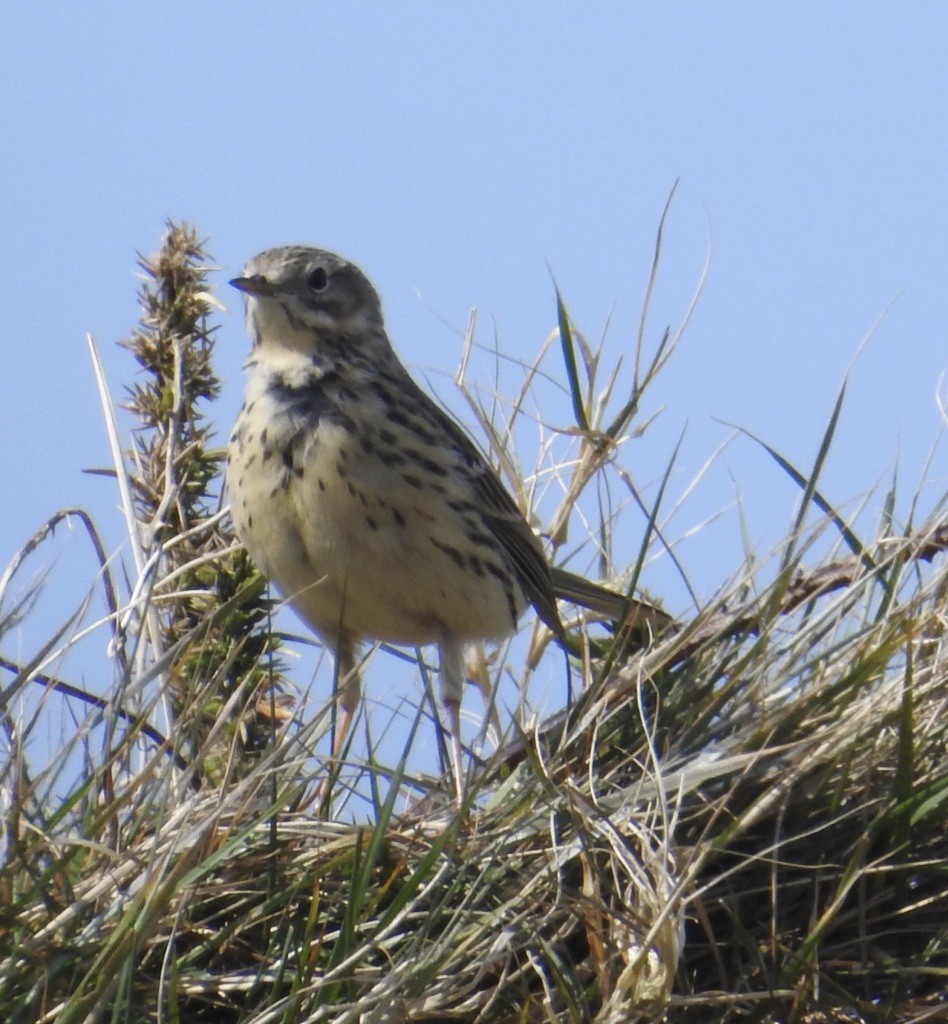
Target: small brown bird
<point x="366" y="504"/>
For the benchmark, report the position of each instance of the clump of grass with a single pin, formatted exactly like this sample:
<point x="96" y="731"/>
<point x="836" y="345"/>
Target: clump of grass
<point x="741" y="817"/>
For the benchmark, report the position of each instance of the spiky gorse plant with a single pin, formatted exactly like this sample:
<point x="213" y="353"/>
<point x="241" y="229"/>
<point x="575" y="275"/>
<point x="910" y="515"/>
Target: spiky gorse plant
<point x="190" y="561"/>
<point x="742" y="818"/>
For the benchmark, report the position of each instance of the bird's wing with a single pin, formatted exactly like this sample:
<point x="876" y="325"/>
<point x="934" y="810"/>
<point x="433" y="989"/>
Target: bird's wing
<point x="541" y="583"/>
<point x="506" y="522"/>
<point x="520" y="542"/>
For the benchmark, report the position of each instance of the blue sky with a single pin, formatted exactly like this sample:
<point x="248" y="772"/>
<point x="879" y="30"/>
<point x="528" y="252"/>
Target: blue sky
<point x="460" y="152"/>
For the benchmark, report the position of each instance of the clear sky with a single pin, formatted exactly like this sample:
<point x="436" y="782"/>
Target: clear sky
<point x="460" y="152"/>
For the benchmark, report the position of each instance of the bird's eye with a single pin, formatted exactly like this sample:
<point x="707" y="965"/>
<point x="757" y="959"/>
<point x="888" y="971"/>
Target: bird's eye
<point x="318" y="279"/>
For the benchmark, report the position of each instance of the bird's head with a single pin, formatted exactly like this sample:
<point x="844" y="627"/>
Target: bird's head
<point x="303" y="300"/>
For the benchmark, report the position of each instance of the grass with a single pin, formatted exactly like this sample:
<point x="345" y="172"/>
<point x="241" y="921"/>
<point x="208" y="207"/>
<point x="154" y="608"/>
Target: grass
<point x="742" y="818"/>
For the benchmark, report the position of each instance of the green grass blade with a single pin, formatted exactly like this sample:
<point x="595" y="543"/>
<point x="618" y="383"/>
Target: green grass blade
<point x="568" y="346"/>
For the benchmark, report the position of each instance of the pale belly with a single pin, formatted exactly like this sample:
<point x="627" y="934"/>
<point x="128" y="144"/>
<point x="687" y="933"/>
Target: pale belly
<point x="356" y="550"/>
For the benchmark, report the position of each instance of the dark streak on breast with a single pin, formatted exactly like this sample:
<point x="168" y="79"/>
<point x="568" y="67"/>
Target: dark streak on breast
<point x="301" y="409"/>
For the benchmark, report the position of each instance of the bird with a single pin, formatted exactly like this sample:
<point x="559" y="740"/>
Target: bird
<point x="367" y="505"/>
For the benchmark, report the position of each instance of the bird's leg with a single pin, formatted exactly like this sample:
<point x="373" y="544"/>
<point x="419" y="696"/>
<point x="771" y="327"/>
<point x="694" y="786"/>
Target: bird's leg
<point x="479" y="674"/>
<point x="347" y="692"/>
<point x="451" y="653"/>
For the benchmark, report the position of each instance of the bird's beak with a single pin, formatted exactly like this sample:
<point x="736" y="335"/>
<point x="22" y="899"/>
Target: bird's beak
<point x="256" y="285"/>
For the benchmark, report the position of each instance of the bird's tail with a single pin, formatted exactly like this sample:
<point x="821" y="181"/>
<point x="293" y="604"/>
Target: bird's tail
<point x="622" y="610"/>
